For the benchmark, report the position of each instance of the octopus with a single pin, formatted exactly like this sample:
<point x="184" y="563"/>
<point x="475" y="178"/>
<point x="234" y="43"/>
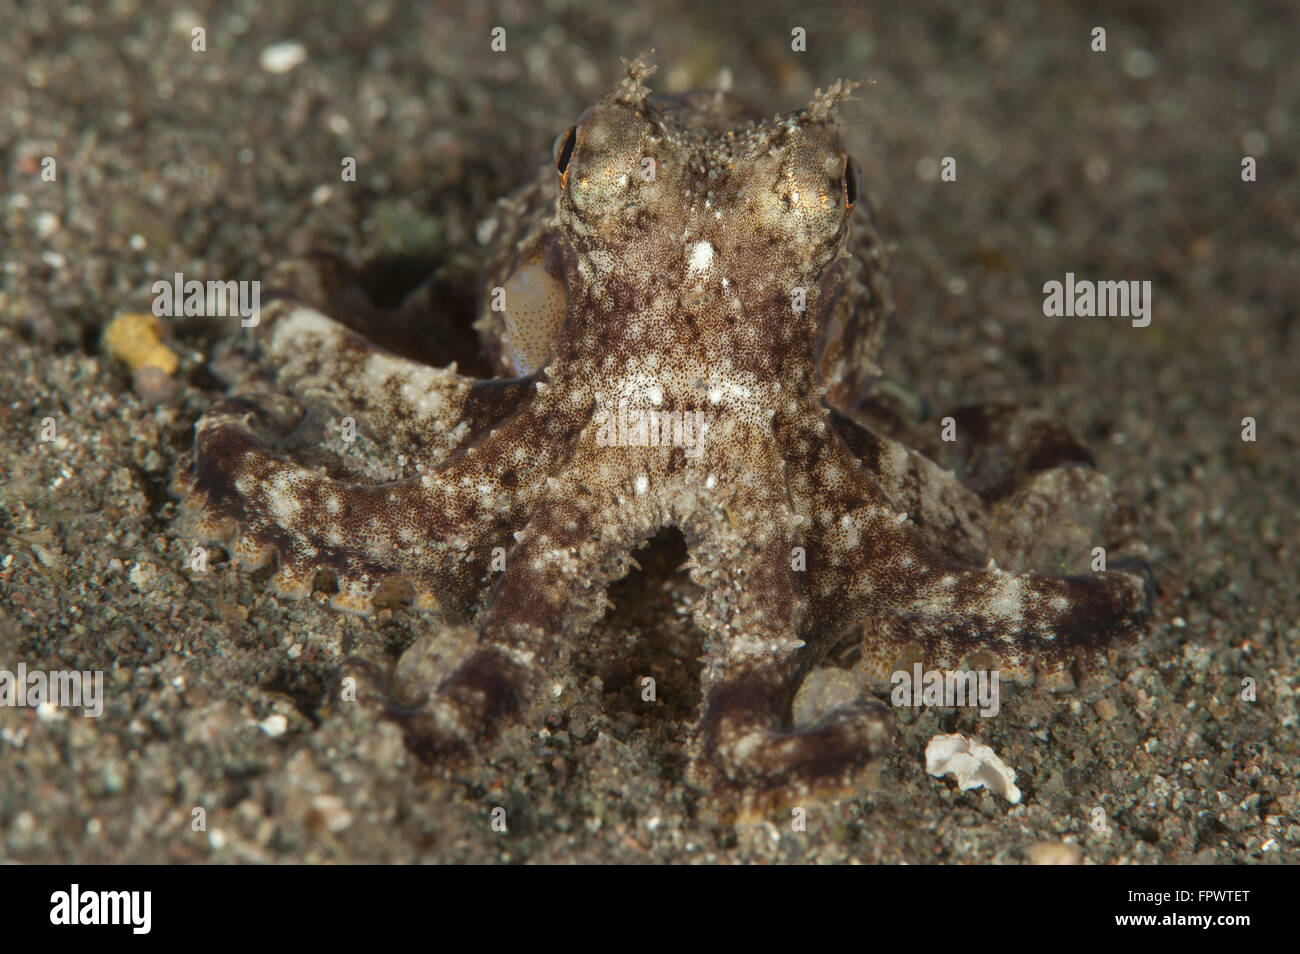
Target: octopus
<point x="683" y="330"/>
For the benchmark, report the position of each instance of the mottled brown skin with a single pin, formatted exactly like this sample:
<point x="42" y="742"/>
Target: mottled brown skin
<point x="674" y="292"/>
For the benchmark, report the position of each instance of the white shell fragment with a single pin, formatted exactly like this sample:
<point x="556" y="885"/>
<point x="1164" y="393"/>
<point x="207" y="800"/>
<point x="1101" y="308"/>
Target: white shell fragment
<point x="282" y="57"/>
<point x="973" y="764"/>
<point x="274" y="725"/>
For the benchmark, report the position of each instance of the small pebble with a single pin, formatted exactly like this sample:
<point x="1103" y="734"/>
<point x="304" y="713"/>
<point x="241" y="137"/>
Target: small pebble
<point x="1054" y="853"/>
<point x="274" y="725"/>
<point x="329" y="813"/>
<point x="282" y="57"/>
<point x="47" y="223"/>
<point x="135" y="339"/>
<point x="152" y="385"/>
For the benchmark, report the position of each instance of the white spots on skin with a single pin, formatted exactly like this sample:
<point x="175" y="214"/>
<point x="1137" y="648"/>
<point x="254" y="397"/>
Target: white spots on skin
<point x="284" y="509"/>
<point x="642" y="484"/>
<point x="283" y="500"/>
<point x="600" y="260"/>
<point x="852" y="529"/>
<point x="1007" y="601"/>
<point x="701" y="258"/>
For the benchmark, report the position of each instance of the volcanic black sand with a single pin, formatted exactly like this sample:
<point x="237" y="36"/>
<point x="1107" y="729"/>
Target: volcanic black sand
<point x="1123" y="164"/>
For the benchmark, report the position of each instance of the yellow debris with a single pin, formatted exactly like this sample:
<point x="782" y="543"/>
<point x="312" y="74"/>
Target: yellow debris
<point x="135" y="339"/>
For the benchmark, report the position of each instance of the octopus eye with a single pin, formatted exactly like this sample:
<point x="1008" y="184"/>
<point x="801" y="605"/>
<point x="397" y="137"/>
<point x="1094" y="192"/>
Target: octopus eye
<point x="564" y="146"/>
<point x="852" y="176"/>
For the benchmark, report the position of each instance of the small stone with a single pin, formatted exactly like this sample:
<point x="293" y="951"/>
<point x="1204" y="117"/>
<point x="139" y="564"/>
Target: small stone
<point x="135" y="339"/>
<point x="282" y="57"/>
<point x="141" y="576"/>
<point x="153" y="462"/>
<point x="329" y="812"/>
<point x="114" y="780"/>
<point x="1054" y="853"/>
<point x="274" y="725"/>
<point x="47" y="223"/>
<point x="152" y="385"/>
<point x="1106" y="710"/>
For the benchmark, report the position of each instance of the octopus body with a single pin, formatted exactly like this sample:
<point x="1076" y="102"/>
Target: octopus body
<point x="685" y="335"/>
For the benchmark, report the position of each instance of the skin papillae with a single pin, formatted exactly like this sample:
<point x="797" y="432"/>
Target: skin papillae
<point x="683" y="258"/>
